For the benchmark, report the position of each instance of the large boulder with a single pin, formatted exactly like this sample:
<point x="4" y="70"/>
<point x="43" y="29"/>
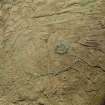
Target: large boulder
<point x="52" y="52"/>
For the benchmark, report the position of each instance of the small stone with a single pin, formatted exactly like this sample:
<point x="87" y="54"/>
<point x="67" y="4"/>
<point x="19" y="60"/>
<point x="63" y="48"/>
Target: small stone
<point x="41" y="103"/>
<point x="61" y="47"/>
